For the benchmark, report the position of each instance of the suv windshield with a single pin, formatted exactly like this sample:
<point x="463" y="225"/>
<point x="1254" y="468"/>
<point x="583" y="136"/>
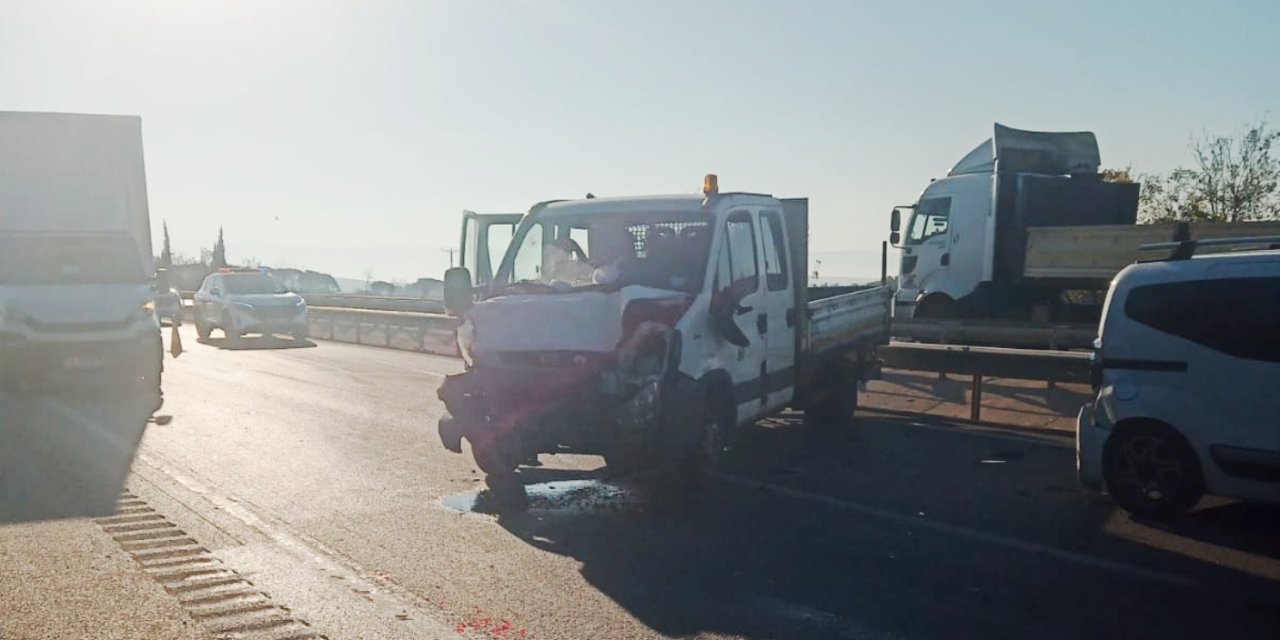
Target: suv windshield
<point x="69" y="260"/>
<point x="251" y="283"/>
<point x="560" y="253"/>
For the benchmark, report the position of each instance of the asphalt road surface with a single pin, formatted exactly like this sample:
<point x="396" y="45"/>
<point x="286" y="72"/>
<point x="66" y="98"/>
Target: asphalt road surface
<point x="315" y="472"/>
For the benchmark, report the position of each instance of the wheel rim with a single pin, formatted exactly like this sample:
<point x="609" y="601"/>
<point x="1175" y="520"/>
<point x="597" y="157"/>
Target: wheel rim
<point x="1148" y="469"/>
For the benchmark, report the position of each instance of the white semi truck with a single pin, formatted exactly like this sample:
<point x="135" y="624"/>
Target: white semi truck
<point x="76" y="308"/>
<point x="1025" y="228"/>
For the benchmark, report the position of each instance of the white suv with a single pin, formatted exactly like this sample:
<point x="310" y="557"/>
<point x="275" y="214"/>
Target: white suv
<point x="1187" y="369"/>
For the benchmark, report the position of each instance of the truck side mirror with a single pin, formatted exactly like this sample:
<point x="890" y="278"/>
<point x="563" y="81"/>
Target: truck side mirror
<point x="457" y="290"/>
<point x="895" y="222"/>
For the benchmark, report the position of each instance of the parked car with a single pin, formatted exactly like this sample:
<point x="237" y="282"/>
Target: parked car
<point x="1187" y="372"/>
<point x="242" y="301"/>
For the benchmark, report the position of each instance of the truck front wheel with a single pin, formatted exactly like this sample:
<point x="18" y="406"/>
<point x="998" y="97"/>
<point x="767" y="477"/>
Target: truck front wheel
<point x="498" y="462"/>
<point x="937" y="307"/>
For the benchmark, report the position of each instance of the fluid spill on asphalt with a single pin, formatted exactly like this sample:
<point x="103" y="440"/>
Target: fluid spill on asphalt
<point x="566" y="496"/>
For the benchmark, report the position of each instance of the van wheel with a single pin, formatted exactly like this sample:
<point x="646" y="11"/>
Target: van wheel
<point x="1151" y="471"/>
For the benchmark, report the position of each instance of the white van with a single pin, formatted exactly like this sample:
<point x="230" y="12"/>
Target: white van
<point x="1187" y="369"/>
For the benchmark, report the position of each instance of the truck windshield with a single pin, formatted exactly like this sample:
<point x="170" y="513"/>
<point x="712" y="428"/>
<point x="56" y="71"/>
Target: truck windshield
<point x="70" y="260"/>
<point x="662" y="250"/>
<point x="931" y="218"/>
<point x="252" y="283"/>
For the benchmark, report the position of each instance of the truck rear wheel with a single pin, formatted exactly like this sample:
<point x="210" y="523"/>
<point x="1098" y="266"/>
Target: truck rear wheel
<point x="834" y="400"/>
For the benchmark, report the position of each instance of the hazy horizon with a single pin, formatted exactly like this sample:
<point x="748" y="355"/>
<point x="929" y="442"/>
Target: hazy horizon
<point x="348" y="137"/>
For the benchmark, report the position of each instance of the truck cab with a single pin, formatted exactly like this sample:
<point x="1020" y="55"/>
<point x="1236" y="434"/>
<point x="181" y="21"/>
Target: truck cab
<point x="641" y="328"/>
<point x="943" y="245"/>
<point x="968" y="247"/>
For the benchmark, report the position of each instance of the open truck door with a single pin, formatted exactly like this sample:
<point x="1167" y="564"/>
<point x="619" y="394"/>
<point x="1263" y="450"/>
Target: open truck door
<point x="485" y="237"/>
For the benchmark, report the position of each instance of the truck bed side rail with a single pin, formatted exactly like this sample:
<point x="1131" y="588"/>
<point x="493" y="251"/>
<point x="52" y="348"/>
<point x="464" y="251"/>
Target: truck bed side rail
<point x="850" y="320"/>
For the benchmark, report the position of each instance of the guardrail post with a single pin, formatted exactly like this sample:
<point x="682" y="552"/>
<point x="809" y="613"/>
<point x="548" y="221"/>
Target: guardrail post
<point x="975" y="407"/>
<point x="386" y="335"/>
<point x="331" y="333"/>
<point x="359" y="326"/>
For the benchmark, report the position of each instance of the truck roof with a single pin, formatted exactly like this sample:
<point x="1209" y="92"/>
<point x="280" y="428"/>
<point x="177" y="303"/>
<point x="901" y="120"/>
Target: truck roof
<point x="634" y="204"/>
<point x="1050" y="152"/>
<point x="72" y="173"/>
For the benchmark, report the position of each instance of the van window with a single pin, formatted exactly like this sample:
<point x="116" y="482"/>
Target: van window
<point x="775" y="251"/>
<point x="1236" y="316"/>
<point x="931" y="219"/>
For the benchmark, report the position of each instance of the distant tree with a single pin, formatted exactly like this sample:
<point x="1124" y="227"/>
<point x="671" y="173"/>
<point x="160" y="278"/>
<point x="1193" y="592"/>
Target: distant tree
<point x="1239" y="177"/>
<point x="1172" y="196"/>
<point x="1234" y="179"/>
<point x="218" y="259"/>
<point x="166" y="254"/>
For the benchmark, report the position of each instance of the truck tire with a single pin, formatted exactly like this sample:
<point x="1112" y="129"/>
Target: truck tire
<point x="834" y="400"/>
<point x="937" y="307"/>
<point x="499" y="467"/>
<point x="717" y="423"/>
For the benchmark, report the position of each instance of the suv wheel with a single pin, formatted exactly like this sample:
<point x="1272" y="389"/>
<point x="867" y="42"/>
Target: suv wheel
<point x="1151" y="471"/>
<point x="202" y="328"/>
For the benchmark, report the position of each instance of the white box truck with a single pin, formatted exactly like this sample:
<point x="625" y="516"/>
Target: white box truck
<point x="76" y="312"/>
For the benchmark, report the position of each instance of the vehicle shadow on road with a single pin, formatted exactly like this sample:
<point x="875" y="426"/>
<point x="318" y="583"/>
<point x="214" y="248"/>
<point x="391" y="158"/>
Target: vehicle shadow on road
<point x="1243" y="526"/>
<point x="251" y="344"/>
<point x="753" y="558"/>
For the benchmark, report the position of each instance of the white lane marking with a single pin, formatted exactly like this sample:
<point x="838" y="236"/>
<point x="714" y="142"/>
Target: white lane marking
<point x="976" y="535"/>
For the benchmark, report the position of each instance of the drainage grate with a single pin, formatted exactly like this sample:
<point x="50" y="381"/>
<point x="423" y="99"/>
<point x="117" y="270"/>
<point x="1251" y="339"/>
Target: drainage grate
<point x="212" y="593"/>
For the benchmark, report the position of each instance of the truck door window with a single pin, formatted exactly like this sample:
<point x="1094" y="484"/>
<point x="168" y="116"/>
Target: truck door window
<point x="775" y="251"/>
<point x="499" y="238"/>
<point x="581" y="235"/>
<point x="932" y="217"/>
<point x="528" y="258"/>
<point x="740" y="240"/>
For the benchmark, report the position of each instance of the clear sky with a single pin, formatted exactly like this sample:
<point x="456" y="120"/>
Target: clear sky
<point x="347" y="136"/>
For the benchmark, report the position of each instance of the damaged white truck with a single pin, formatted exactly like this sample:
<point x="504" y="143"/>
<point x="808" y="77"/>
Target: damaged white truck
<point x="647" y="330"/>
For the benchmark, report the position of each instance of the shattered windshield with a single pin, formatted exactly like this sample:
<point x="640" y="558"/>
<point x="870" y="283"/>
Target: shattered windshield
<point x="662" y="250"/>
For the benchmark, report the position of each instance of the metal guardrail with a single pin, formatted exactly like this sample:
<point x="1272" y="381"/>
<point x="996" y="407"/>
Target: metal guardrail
<point x="434" y="332"/>
<point x="980" y="362"/>
<point x="1042" y="336"/>
<point x="412" y="330"/>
